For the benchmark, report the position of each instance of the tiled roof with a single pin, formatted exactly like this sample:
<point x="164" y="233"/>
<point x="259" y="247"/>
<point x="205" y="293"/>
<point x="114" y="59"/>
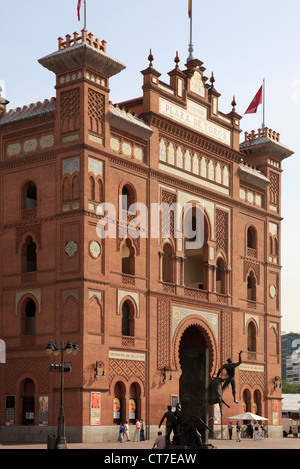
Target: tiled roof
<point x="31" y="111"/>
<point x="250" y="174"/>
<point x="128" y="122"/>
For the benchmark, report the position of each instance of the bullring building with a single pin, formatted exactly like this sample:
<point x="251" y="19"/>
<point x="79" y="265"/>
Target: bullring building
<point x="132" y="302"/>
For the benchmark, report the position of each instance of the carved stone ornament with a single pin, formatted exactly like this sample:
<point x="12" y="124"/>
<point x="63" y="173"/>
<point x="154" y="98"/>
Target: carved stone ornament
<point x="71" y="248"/>
<point x="273" y="291"/>
<point x="95" y="249"/>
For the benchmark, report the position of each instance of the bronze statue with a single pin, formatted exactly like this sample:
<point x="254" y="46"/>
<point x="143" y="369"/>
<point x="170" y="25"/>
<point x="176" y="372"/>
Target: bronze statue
<point x="192" y="431"/>
<point x="215" y="393"/>
<point x="230" y="369"/>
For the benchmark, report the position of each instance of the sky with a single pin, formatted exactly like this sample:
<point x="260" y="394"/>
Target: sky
<point x="242" y="42"/>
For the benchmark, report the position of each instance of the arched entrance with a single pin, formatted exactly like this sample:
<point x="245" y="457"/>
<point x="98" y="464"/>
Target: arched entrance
<point x="28" y="402"/>
<point x="194" y="363"/>
<point x="119" y="403"/>
<point x="134" y="402"/>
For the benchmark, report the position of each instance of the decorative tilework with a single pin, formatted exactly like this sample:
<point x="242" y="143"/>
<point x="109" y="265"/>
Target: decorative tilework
<point x="178" y="314"/>
<point x="96" y="166"/>
<point x="72" y="292"/>
<point x="71" y="165"/>
<point x="134" y="296"/>
<point x="71" y="248"/>
<point x="95" y="293"/>
<point x="47" y="141"/>
<point x="30" y="145"/>
<point x="13" y="149"/>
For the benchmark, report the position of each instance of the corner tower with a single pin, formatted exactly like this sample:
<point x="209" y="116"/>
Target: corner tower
<point x="83" y="70"/>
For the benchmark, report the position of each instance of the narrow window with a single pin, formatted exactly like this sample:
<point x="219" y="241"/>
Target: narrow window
<point x="251" y="287"/>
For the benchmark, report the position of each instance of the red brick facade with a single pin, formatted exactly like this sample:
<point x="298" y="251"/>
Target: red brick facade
<point x="131" y="303"/>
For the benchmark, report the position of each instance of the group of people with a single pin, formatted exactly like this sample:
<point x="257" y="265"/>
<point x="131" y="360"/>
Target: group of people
<point x="139" y="432"/>
<point x="261" y="431"/>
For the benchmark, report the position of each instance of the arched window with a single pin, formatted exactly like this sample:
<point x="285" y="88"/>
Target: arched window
<point x="28" y="402"/>
<point x="247" y="401"/>
<point x="128" y="197"/>
<point x="168" y="264"/>
<point x="220" y="277"/>
<point x="196" y="236"/>
<point x="75" y="188"/>
<point x="92" y="188"/>
<point x="127" y="319"/>
<point x="257" y="402"/>
<point x="276" y="247"/>
<point x="251" y="287"/>
<point x="251" y="238"/>
<point x="271" y="245"/>
<point x="128" y="259"/>
<point x="28" y="317"/>
<point x="251" y="337"/>
<point x="66" y="189"/>
<point x="29" y="256"/>
<point x="100" y="191"/>
<point x="29" y="196"/>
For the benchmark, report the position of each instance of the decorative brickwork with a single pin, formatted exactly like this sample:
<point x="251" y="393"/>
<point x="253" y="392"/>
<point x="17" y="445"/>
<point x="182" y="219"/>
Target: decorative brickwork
<point x="127" y="369"/>
<point x="226" y="336"/>
<point x="163" y="333"/>
<point x="34" y="230"/>
<point x="38" y="368"/>
<point x="96" y="108"/>
<point x="255" y="267"/>
<point x="70" y="109"/>
<point x="274" y="188"/>
<point x="222" y="231"/>
<point x="167" y="222"/>
<point x="251" y="379"/>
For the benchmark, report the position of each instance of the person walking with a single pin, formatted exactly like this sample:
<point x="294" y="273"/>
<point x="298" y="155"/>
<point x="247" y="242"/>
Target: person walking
<point x="121" y="432"/>
<point x="230" y="430"/>
<point x="126" y="431"/>
<point x="238" y="431"/>
<point x="142" y="434"/>
<point x="137" y="431"/>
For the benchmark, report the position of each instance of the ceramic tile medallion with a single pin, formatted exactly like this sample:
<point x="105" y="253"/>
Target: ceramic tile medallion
<point x="30" y="145"/>
<point x="95" y="249"/>
<point x="47" y="141"/>
<point x="14" y="149"/>
<point x="71" y="248"/>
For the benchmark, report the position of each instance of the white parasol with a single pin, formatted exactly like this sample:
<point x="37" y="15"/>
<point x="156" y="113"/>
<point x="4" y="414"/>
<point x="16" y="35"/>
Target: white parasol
<point x="247" y="416"/>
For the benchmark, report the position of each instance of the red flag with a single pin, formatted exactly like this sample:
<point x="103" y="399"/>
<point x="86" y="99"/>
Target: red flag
<point x="256" y="102"/>
<point x="78" y="9"/>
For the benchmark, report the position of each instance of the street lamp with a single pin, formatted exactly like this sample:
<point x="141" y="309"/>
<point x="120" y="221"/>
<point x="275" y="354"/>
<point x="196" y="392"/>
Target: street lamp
<point x="69" y="348"/>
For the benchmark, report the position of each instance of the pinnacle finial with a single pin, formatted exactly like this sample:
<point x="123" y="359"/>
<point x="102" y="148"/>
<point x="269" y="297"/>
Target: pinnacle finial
<point x="177" y="59"/>
<point x="212" y="79"/>
<point x="233" y="104"/>
<point x="150" y="58"/>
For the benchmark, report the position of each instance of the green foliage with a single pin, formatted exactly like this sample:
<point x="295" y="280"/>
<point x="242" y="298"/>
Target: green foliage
<point x="289" y="388"/>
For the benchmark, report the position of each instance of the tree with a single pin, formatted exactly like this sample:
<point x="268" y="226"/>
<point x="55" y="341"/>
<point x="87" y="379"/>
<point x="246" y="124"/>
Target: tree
<point x="289" y="388"/>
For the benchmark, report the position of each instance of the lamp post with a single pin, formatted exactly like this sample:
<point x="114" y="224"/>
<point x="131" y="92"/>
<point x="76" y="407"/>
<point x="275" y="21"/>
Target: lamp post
<point x="61" y="442"/>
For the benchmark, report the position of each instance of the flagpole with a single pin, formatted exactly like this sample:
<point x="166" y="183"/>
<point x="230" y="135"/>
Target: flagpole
<point x="191" y="47"/>
<point x="264" y="102"/>
<point x="84" y="14"/>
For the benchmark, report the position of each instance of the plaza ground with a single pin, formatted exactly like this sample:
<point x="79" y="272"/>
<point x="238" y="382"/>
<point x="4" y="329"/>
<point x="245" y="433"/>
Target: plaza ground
<point x="289" y="443"/>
